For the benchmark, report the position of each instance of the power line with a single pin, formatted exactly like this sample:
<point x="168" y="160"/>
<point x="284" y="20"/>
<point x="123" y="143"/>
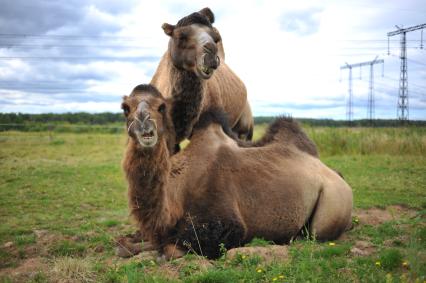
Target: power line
<point x="141" y="58"/>
<point x="11" y="35"/>
<point x="35" y="46"/>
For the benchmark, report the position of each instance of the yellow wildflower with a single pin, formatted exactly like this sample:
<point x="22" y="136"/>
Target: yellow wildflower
<point x="331" y="244"/>
<point x="389" y="278"/>
<point x="378" y="263"/>
<point x="405" y="263"/>
<point x="259" y="270"/>
<point x="243" y="256"/>
<point x="281" y="276"/>
<point x="274" y="279"/>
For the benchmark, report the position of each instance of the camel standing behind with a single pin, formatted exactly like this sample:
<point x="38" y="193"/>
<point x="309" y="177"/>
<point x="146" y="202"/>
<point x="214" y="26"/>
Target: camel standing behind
<point x="193" y="72"/>
<point x="218" y="192"/>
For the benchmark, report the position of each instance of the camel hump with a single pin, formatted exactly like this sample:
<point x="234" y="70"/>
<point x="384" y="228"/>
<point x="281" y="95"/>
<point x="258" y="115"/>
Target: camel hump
<point x="214" y="116"/>
<point x="287" y="130"/>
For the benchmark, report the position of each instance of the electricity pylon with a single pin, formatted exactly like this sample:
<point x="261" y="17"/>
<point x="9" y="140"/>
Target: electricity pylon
<point x="402" y="110"/>
<point x="371" y="103"/>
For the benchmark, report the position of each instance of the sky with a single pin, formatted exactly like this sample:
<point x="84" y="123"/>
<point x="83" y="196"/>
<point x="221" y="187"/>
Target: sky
<point x="84" y="55"/>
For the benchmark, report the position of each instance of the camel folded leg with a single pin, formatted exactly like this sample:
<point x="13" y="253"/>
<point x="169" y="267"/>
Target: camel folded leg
<point x="333" y="213"/>
<point x="131" y="245"/>
<point x="244" y="127"/>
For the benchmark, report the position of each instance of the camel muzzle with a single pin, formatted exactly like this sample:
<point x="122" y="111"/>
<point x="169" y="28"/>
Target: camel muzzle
<point x="207" y="64"/>
<point x="211" y="60"/>
<point x="143" y="127"/>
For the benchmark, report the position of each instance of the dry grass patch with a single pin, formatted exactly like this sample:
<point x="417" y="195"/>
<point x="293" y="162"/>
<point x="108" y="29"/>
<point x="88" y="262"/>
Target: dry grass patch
<point x="69" y="269"/>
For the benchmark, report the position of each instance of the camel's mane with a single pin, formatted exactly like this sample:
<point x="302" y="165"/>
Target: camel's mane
<point x="194" y="18"/>
<point x="146" y="88"/>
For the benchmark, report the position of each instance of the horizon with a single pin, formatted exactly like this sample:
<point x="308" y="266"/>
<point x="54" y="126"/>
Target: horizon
<point x="254" y="116"/>
<point x="83" y="56"/>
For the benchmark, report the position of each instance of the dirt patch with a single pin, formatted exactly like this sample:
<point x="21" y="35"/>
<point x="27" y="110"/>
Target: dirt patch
<point x="363" y="248"/>
<point x="24" y="262"/>
<point x="26" y="271"/>
<point x="398" y="241"/>
<point x="268" y="254"/>
<point x="375" y="216"/>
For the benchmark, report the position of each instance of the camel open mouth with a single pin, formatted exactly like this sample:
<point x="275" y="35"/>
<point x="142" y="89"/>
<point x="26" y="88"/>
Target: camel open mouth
<point x="205" y="67"/>
<point x="205" y="72"/>
<point x="147" y="138"/>
<point x="145" y="131"/>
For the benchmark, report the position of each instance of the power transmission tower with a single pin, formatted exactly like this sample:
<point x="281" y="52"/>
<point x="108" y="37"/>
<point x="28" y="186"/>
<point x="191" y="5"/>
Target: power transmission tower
<point x="370" y="112"/>
<point x="349" y="112"/>
<point x="402" y="109"/>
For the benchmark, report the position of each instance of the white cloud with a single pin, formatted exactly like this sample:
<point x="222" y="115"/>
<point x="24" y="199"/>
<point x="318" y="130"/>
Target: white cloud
<point x="288" y="53"/>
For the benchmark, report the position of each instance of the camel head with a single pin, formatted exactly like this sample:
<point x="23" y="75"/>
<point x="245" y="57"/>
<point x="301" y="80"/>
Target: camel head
<point x="147" y="118"/>
<point x="193" y="43"/>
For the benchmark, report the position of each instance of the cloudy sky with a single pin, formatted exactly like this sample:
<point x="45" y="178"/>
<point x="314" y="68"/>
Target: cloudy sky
<point x="81" y="55"/>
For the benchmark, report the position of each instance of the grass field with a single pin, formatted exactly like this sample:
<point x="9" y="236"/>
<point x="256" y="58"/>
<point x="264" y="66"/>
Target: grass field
<point x="63" y="201"/>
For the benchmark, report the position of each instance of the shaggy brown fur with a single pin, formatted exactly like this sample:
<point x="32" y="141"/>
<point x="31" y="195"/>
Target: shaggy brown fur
<point x="292" y="135"/>
<point x="194" y="44"/>
<point x="216" y="192"/>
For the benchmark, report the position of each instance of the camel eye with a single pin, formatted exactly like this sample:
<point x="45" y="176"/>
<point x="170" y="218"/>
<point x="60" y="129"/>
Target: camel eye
<point x="162" y="108"/>
<point x="183" y="36"/>
<point x="126" y="109"/>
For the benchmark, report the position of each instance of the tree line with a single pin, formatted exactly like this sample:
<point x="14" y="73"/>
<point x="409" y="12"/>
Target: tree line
<point x="108" y="118"/>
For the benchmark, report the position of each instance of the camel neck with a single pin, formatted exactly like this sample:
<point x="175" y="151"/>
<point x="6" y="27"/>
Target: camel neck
<point x="147" y="175"/>
<point x="188" y="94"/>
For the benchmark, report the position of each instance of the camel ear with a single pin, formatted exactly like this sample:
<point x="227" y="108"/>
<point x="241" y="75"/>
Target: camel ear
<point x="208" y="13"/>
<point x="216" y="35"/>
<point x="168" y="28"/>
<point x="125" y="107"/>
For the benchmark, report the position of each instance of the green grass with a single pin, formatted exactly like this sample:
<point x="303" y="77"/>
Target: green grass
<point x="72" y="186"/>
<point x="364" y="141"/>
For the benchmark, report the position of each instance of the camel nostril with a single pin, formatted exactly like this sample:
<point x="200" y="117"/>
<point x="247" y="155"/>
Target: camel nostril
<point x="210" y="61"/>
<point x="217" y="61"/>
<point x="145" y="117"/>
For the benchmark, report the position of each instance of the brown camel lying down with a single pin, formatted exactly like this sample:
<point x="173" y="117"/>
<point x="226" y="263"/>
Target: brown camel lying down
<point x="194" y="73"/>
<point x="217" y="192"/>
